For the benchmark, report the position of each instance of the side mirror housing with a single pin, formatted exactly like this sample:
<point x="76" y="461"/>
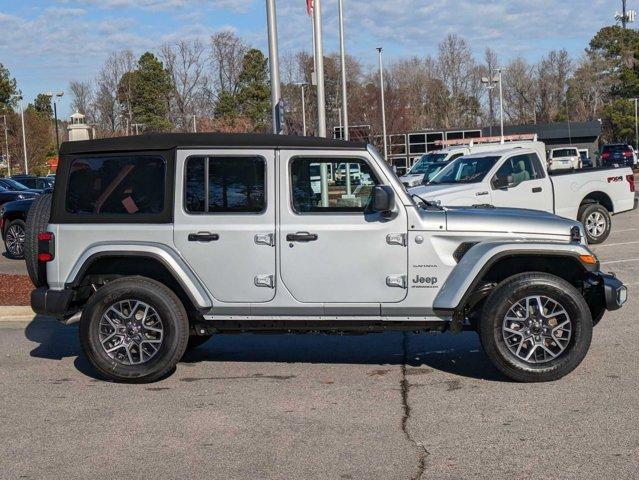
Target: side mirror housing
<point x="503" y="182"/>
<point x="383" y="200"/>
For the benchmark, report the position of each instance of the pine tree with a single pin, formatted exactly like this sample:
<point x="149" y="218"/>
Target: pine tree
<point x="8" y="90"/>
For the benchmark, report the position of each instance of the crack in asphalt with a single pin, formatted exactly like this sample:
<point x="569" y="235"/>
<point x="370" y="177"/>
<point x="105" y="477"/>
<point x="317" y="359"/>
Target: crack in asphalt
<point x="422" y="453"/>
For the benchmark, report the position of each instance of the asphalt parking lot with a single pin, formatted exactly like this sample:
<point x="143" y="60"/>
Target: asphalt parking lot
<point x="392" y="406"/>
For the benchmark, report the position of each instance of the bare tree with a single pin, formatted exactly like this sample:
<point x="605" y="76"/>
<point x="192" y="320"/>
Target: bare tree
<point x="553" y="72"/>
<point x="491" y="64"/>
<point x="82" y="98"/>
<point x="106" y="99"/>
<point x="185" y="63"/>
<point x="227" y="54"/>
<point x="520" y="92"/>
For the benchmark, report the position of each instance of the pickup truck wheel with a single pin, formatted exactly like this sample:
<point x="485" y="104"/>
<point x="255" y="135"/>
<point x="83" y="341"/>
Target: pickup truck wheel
<point x="597" y="222"/>
<point x="14" y="239"/>
<point x="134" y="330"/>
<point x="535" y="327"/>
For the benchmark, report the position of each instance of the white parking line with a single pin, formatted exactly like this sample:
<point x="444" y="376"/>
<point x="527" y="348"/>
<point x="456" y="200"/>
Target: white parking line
<point x="621" y="261"/>
<point x="615" y="244"/>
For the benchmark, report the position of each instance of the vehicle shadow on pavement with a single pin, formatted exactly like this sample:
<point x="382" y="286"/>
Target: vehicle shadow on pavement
<point x="455" y="354"/>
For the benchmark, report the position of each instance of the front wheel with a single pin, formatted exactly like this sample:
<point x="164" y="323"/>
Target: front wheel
<point x="597" y="222"/>
<point x="535" y="327"/>
<point x="134" y="330"/>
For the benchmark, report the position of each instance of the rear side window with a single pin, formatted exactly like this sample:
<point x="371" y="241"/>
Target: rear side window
<point x="225" y="185"/>
<point x="119" y="185"/>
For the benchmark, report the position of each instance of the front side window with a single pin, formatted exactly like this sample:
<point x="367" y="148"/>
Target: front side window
<point x="225" y="185"/>
<point x="517" y="170"/>
<point x="323" y="186"/>
<point x="465" y="170"/>
<point x="118" y="185"/>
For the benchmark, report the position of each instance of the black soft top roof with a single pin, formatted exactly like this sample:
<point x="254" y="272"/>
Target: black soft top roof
<point x="202" y="140"/>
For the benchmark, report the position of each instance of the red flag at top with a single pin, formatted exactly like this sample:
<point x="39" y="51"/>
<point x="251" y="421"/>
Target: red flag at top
<point x="309" y="7"/>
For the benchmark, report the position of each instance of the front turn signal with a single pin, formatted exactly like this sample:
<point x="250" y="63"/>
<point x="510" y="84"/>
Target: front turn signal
<point x="588" y="259"/>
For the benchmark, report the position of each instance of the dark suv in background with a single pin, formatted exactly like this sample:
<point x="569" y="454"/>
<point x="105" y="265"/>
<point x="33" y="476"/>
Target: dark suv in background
<point x="617" y="154"/>
<point x="37" y="183"/>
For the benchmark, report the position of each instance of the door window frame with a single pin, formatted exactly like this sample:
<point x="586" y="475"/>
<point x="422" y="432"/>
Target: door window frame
<point x="264" y="161"/>
<point x="328" y="159"/>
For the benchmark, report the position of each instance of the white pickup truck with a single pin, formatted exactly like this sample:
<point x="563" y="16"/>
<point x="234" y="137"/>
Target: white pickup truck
<point x="518" y="178"/>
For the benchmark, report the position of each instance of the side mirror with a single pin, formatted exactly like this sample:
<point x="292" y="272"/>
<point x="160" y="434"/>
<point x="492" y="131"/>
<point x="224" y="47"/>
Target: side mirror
<point x="500" y="183"/>
<point x="383" y="200"/>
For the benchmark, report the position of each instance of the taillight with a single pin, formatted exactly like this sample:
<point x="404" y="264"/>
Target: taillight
<point x="631" y="182"/>
<point x="627" y="154"/>
<point x="605" y="155"/>
<point x="46" y="247"/>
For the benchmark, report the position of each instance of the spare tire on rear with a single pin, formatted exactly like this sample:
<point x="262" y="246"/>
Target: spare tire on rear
<point x="37" y="221"/>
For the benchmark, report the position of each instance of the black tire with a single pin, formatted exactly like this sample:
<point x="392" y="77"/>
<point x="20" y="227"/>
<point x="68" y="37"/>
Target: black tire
<point x="505" y="296"/>
<point x="37" y="221"/>
<point x="196" y="341"/>
<point x="12" y="243"/>
<point x="591" y="209"/>
<point x="174" y="322"/>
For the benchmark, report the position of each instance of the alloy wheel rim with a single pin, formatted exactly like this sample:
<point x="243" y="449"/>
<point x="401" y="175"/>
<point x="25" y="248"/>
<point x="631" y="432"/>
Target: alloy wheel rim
<point x="537" y="329"/>
<point x="131" y="332"/>
<point x="14" y="239"/>
<point x="596" y="224"/>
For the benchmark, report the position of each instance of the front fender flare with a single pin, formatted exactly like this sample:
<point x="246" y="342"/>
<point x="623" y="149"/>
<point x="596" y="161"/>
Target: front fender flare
<point x="466" y="276"/>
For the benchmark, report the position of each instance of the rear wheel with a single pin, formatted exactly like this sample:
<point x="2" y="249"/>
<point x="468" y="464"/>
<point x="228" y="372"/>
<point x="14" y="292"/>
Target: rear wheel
<point x="37" y="222"/>
<point x="536" y="327"/>
<point x="597" y="222"/>
<point x="14" y="239"/>
<point x="134" y="330"/>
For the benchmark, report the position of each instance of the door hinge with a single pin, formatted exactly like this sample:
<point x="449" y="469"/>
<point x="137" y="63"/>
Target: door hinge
<point x="265" y="239"/>
<point x="266" y="281"/>
<point x="397" y="281"/>
<point x="396" y="239"/>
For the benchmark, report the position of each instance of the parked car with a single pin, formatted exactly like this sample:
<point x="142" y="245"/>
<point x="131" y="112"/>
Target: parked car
<point x="37" y="183"/>
<point x="14" y="186"/>
<point x="586" y="160"/>
<point x="517" y="178"/>
<point x="415" y="175"/>
<point x="617" y="155"/>
<point x="155" y="243"/>
<point x="567" y="158"/>
<point x="13" y="219"/>
<point x="11" y="195"/>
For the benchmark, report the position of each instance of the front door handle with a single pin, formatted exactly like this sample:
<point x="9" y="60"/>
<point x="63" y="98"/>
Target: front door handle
<point x="205" y="237"/>
<point x="303" y="237"/>
<point x="537" y="190"/>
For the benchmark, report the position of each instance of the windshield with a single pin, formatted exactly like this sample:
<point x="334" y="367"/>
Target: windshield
<point x="421" y="167"/>
<point x="13" y="185"/>
<point x="564" y="152"/>
<point x="431" y="171"/>
<point x="465" y="170"/>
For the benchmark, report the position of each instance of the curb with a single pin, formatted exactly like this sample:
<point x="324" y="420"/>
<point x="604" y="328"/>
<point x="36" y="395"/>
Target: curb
<point x="15" y="313"/>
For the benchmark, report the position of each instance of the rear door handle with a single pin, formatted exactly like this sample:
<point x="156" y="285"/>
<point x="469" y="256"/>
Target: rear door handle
<point x="537" y="190"/>
<point x="303" y="237"/>
<point x="205" y="237"/>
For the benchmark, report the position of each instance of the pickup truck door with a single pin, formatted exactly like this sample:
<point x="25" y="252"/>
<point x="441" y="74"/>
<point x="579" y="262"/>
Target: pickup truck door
<point x="521" y="182"/>
<point x="332" y="250"/>
<point x="225" y="221"/>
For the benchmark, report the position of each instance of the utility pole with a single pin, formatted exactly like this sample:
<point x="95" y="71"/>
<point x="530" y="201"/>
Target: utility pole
<point x="342" y="45"/>
<point x="274" y="63"/>
<point x="6" y="141"/>
<point x="381" y="88"/>
<point x="624" y="18"/>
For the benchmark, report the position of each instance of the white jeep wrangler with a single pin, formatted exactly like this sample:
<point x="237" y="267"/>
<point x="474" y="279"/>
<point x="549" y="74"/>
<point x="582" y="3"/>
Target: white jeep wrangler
<point x="155" y="243"/>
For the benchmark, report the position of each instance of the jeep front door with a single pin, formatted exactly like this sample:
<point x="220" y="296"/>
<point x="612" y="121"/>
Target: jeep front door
<point x="225" y="221"/>
<point x="333" y="248"/>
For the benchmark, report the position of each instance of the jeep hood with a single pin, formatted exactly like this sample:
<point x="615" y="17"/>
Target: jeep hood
<point x="511" y="221"/>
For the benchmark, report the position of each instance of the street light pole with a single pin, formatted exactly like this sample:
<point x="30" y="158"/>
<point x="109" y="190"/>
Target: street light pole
<point x="274" y="63"/>
<point x="346" y="134"/>
<point x="381" y="88"/>
<point x="24" y="139"/>
<point x="194" y="123"/>
<point x="321" y="96"/>
<point x="6" y="141"/>
<point x="636" y="100"/>
<point x="303" y="85"/>
<point x="501" y="104"/>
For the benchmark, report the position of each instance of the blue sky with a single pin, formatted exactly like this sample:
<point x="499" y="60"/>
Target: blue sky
<point x="46" y="44"/>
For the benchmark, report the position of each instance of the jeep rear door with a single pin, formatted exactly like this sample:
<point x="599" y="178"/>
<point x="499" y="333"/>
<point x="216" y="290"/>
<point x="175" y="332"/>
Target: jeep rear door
<point x="333" y="250"/>
<point x="225" y="221"/>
